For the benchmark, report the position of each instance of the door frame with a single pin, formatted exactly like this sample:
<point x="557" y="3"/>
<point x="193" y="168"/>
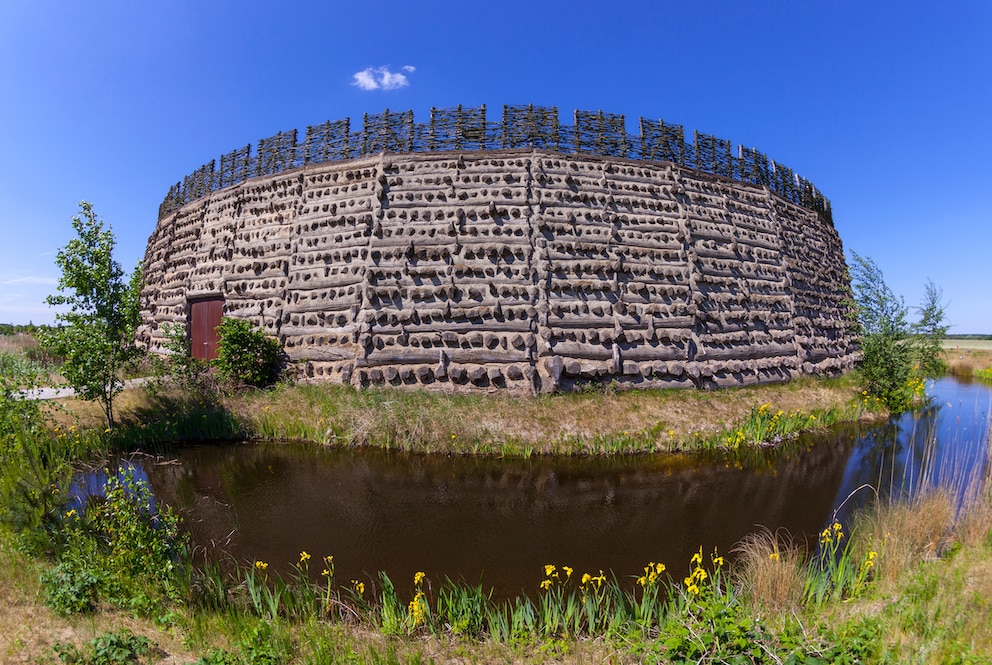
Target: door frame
<point x="194" y="335"/>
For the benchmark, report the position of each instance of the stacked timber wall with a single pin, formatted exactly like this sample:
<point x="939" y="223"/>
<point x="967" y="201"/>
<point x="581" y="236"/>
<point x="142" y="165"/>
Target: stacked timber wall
<point x="520" y="270"/>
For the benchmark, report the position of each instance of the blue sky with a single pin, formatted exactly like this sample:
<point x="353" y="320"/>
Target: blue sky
<point x="885" y="106"/>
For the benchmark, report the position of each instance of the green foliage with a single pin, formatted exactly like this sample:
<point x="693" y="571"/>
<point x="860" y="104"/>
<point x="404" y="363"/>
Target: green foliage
<point x="189" y="374"/>
<point x="836" y="573"/>
<point x="887" y="356"/>
<point x="15" y="329"/>
<point x="260" y="645"/>
<point x="716" y="628"/>
<point x="765" y="426"/>
<point x="889" y="344"/>
<point x="120" y="648"/>
<point x="140" y="542"/>
<point x="245" y="355"/>
<point x="462" y="607"/>
<point x="17" y="416"/>
<point x="96" y="335"/>
<point x="217" y="657"/>
<point x="70" y="587"/>
<point x="34" y="473"/>
<point x="121" y="548"/>
<point x="930" y="331"/>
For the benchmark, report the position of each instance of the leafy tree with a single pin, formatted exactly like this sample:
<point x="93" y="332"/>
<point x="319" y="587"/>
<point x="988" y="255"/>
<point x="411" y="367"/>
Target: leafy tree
<point x="96" y="335"/>
<point x="887" y="354"/>
<point x="930" y="331"/>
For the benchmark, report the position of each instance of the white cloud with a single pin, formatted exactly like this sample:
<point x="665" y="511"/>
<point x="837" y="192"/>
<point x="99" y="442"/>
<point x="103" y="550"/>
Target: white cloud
<point x="381" y="78"/>
<point x="30" y="280"/>
<point x="365" y="80"/>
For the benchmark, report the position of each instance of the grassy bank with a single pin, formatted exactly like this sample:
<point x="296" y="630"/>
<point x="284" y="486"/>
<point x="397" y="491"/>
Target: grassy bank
<point x="580" y="423"/>
<point x="595" y="422"/>
<point x="908" y="582"/>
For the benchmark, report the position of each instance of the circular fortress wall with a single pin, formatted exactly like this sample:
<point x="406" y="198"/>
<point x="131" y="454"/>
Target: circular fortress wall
<point x="520" y="270"/>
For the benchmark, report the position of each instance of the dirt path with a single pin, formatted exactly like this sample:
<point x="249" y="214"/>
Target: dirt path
<point x="65" y="391"/>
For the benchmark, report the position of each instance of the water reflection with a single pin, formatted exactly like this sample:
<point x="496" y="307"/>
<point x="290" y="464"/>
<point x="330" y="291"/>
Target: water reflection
<point x="943" y="445"/>
<point x="501" y="520"/>
<point x="492" y="519"/>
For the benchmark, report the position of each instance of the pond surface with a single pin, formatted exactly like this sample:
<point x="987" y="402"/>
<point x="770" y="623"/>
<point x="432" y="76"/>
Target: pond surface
<point x="499" y="521"/>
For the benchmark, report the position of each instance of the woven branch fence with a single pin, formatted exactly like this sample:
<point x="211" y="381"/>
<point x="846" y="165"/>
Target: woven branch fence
<point x="467" y="129"/>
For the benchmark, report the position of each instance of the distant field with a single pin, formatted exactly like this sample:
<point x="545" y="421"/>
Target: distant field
<point x="973" y="344"/>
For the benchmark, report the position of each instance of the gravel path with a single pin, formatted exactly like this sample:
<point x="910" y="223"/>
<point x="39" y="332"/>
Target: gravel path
<point x="59" y="393"/>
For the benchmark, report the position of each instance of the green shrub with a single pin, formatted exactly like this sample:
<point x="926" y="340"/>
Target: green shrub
<point x="17" y="416"/>
<point x="191" y="375"/>
<point x="34" y="475"/>
<point x="930" y="332"/>
<point x="896" y="356"/>
<point x="140" y="541"/>
<point x="217" y="657"/>
<point x="70" y="588"/>
<point x="121" y="548"/>
<point x="887" y="355"/>
<point x="245" y="355"/>
<point x="120" y="648"/>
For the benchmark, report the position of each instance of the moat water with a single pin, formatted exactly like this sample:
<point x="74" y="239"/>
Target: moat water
<point x="499" y="521"/>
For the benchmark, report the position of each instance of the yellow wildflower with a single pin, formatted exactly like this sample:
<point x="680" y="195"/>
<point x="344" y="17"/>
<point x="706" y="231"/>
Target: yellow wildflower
<point x="773" y="556"/>
<point x="418" y="577"/>
<point x="417" y="608"/>
<point x="549" y="570"/>
<point x="568" y="572"/>
<point x="546" y="584"/>
<point x="261" y="565"/>
<point x="304" y="556"/>
<point x="359" y="587"/>
<point x="585" y="578"/>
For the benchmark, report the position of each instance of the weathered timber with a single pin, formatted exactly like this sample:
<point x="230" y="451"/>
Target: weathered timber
<point x="521" y="270"/>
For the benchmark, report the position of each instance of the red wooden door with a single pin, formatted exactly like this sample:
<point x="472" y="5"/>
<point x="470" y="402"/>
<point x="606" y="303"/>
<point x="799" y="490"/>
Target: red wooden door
<point x="204" y="317"/>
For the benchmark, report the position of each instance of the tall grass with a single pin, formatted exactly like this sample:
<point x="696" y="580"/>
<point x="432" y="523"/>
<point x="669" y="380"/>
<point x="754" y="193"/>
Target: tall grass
<point x="912" y="547"/>
<point x="562" y="424"/>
